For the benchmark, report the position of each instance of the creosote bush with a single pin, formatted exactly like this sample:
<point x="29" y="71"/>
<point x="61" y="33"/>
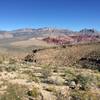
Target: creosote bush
<point x="85" y="81"/>
<point x="35" y="93"/>
<point x="46" y="71"/>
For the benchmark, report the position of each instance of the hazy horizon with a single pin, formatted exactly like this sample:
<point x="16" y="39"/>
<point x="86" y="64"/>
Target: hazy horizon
<point x="48" y="27"/>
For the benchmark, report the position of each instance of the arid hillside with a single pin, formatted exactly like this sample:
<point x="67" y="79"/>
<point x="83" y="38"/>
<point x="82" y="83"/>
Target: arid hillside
<point x="68" y="55"/>
<point x="67" y="72"/>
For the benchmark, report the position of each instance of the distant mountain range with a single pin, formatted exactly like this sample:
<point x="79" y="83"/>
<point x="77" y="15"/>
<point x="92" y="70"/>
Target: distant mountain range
<point x="45" y="32"/>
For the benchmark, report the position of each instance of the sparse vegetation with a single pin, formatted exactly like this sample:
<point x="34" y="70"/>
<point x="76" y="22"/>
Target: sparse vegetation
<point x="51" y="89"/>
<point x="14" y="92"/>
<point x="34" y="93"/>
<point x="84" y="81"/>
<point x="46" y="71"/>
<point x="12" y="61"/>
<point x="57" y="74"/>
<point x="84" y="95"/>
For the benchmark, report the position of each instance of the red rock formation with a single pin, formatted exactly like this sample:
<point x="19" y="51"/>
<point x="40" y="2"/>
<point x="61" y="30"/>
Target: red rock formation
<point x="70" y="39"/>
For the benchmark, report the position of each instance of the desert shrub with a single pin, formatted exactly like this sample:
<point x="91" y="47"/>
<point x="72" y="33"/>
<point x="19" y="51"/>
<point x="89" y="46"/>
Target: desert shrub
<point x="31" y="75"/>
<point x="62" y="96"/>
<point x="84" y="95"/>
<point x="1" y="69"/>
<point x="27" y="72"/>
<point x="5" y="59"/>
<point x="2" y="58"/>
<point x="98" y="85"/>
<point x="12" y="61"/>
<point x="70" y="75"/>
<point x="46" y="71"/>
<point x="34" y="93"/>
<point x="58" y="80"/>
<point x="55" y="69"/>
<point x="85" y="81"/>
<point x="51" y="89"/>
<point x="14" y="92"/>
<point x="34" y="78"/>
<point x="10" y="68"/>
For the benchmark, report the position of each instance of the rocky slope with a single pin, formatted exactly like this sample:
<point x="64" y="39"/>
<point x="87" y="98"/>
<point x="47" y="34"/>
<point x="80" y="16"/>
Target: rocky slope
<point x="83" y="55"/>
<point x="54" y="73"/>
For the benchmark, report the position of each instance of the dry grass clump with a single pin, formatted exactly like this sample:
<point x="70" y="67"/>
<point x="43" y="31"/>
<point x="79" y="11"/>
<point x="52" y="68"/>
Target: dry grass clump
<point x="84" y="95"/>
<point x="46" y="71"/>
<point x="14" y="92"/>
<point x="35" y="94"/>
<point x="31" y="76"/>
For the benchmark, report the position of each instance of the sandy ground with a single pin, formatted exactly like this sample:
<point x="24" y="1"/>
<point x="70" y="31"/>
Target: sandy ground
<point x="31" y="42"/>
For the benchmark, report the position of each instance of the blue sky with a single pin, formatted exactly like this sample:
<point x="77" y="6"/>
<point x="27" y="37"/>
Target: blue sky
<point x="70" y="14"/>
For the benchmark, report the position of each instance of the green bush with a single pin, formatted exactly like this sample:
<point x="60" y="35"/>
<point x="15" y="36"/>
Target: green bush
<point x="70" y="75"/>
<point x="84" y="81"/>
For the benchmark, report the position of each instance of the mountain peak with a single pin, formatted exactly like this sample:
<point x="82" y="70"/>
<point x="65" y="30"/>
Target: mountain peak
<point x="88" y="30"/>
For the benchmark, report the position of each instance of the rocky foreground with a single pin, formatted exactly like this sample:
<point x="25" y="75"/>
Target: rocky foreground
<point x="59" y="73"/>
